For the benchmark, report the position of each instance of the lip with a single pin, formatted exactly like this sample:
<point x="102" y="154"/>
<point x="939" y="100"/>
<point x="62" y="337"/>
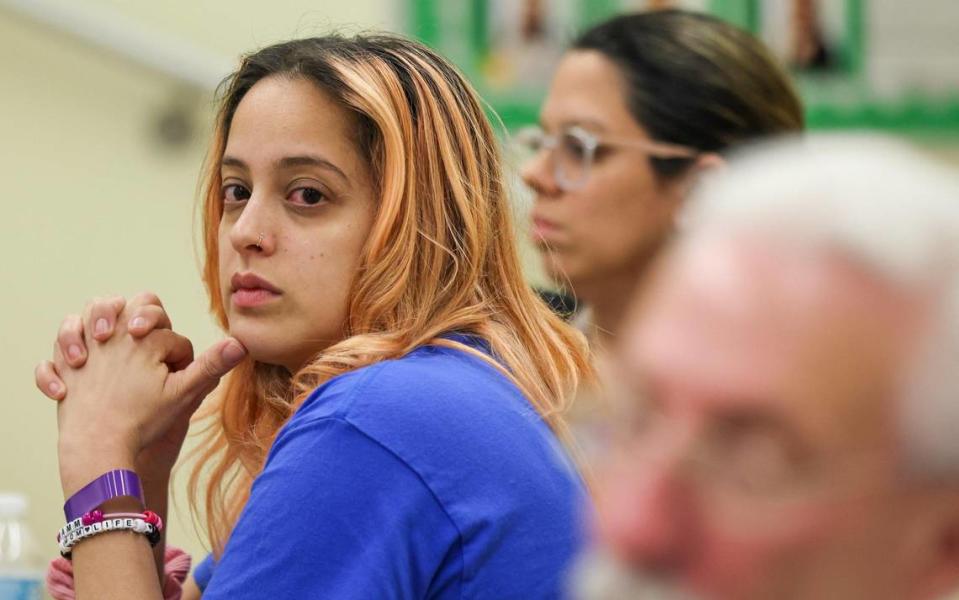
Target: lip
<point x="249" y="290"/>
<point x="543" y="229"/>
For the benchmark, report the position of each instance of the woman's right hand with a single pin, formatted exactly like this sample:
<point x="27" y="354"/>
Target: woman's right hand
<point x="156" y="461"/>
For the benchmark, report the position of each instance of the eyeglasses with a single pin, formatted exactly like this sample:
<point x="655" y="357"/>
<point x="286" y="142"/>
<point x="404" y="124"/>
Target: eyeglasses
<point x="748" y="455"/>
<point x="573" y="150"/>
<point x="745" y="460"/>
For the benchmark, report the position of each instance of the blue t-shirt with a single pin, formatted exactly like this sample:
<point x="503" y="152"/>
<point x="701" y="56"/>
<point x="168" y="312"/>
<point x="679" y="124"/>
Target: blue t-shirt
<point x="429" y="476"/>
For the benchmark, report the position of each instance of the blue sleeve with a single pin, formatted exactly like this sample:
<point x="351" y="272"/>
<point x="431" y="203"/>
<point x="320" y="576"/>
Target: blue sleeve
<point x="203" y="572"/>
<point x="334" y="514"/>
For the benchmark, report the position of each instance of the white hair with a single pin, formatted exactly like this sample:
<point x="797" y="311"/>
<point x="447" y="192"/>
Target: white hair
<point x="883" y="205"/>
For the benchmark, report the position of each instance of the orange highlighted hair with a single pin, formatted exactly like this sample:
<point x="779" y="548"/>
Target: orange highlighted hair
<point x="441" y="255"/>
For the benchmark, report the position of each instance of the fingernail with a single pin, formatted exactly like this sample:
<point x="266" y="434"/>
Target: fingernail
<point x="54" y="388"/>
<point x="137" y="323"/>
<point x="74" y="351"/>
<point x="101" y="326"/>
<point x="233" y="352"/>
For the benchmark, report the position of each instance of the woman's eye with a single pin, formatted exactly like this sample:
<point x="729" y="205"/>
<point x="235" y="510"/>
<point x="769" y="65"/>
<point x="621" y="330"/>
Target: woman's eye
<point x="306" y="196"/>
<point x="573" y="146"/>
<point x="235" y="193"/>
<point x="531" y="140"/>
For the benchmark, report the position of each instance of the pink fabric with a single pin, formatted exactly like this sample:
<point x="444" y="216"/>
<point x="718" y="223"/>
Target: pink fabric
<point x="175" y="569"/>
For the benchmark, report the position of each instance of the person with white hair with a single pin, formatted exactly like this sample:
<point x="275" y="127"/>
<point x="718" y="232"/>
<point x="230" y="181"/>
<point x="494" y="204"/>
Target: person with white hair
<point x="785" y="388"/>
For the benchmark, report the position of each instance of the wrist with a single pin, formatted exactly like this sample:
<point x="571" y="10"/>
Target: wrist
<point x="156" y="495"/>
<point x="81" y="463"/>
<point x="153" y="476"/>
<point x="155" y="487"/>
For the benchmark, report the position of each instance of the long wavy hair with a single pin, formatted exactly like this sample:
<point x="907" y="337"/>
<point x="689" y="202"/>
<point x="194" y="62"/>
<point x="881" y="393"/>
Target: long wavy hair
<point x="441" y="255"/>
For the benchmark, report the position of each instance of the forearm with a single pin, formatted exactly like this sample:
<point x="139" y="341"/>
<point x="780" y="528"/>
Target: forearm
<point x="190" y="590"/>
<point x="118" y="564"/>
<point x="156" y="492"/>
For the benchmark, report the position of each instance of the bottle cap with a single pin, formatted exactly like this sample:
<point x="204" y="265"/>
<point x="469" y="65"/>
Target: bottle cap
<point x="12" y="505"/>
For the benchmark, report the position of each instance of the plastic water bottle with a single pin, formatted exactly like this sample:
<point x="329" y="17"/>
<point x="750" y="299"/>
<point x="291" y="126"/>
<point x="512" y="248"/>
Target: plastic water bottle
<point x="21" y="570"/>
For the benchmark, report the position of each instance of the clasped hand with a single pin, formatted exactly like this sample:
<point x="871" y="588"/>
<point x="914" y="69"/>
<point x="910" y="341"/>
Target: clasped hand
<point x="127" y="386"/>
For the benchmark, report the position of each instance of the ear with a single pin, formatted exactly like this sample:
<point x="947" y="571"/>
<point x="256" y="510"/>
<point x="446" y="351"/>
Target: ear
<point x="938" y="573"/>
<point x="708" y="161"/>
<point x="706" y="164"/>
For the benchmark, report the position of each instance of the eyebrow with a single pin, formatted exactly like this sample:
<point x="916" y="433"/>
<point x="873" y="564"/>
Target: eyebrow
<point x="752" y="418"/>
<point x="287" y="162"/>
<point x="587" y="124"/>
<point x="772" y="419"/>
<point x="736" y="411"/>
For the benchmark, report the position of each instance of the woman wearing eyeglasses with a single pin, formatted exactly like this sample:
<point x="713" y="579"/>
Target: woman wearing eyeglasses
<point x="639" y="106"/>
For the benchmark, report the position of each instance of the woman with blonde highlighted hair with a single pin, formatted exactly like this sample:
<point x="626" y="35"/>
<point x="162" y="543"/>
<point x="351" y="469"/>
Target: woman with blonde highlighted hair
<point x="389" y="424"/>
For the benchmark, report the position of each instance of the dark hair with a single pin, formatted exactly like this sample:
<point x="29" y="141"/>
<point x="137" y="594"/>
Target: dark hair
<point x="697" y="81"/>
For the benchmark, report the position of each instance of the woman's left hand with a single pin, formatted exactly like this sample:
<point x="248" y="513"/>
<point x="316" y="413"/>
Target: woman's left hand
<point x="126" y="397"/>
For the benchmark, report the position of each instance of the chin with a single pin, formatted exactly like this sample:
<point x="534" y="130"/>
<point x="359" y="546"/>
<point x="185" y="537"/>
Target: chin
<point x="274" y="347"/>
<point x="598" y="576"/>
<point x="262" y="346"/>
<point x="554" y="268"/>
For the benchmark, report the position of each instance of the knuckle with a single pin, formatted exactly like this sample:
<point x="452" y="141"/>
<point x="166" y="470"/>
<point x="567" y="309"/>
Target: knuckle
<point x="138" y="312"/>
<point x="152" y="311"/>
<point x="147" y="297"/>
<point x="91" y="304"/>
<point x="156" y="315"/>
<point x="103" y="306"/>
<point x="70" y="327"/>
<point x="43" y="376"/>
<point x="210" y="369"/>
<point x="117" y="304"/>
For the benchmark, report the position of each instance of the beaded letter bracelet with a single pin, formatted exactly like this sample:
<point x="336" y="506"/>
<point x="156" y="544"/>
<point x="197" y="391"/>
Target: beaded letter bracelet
<point x="95" y="522"/>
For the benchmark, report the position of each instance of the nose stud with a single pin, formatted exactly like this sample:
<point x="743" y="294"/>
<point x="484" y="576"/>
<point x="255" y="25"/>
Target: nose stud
<point x="259" y="241"/>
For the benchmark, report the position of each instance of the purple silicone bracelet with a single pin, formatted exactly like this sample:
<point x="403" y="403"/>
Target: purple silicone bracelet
<point x="112" y="484"/>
